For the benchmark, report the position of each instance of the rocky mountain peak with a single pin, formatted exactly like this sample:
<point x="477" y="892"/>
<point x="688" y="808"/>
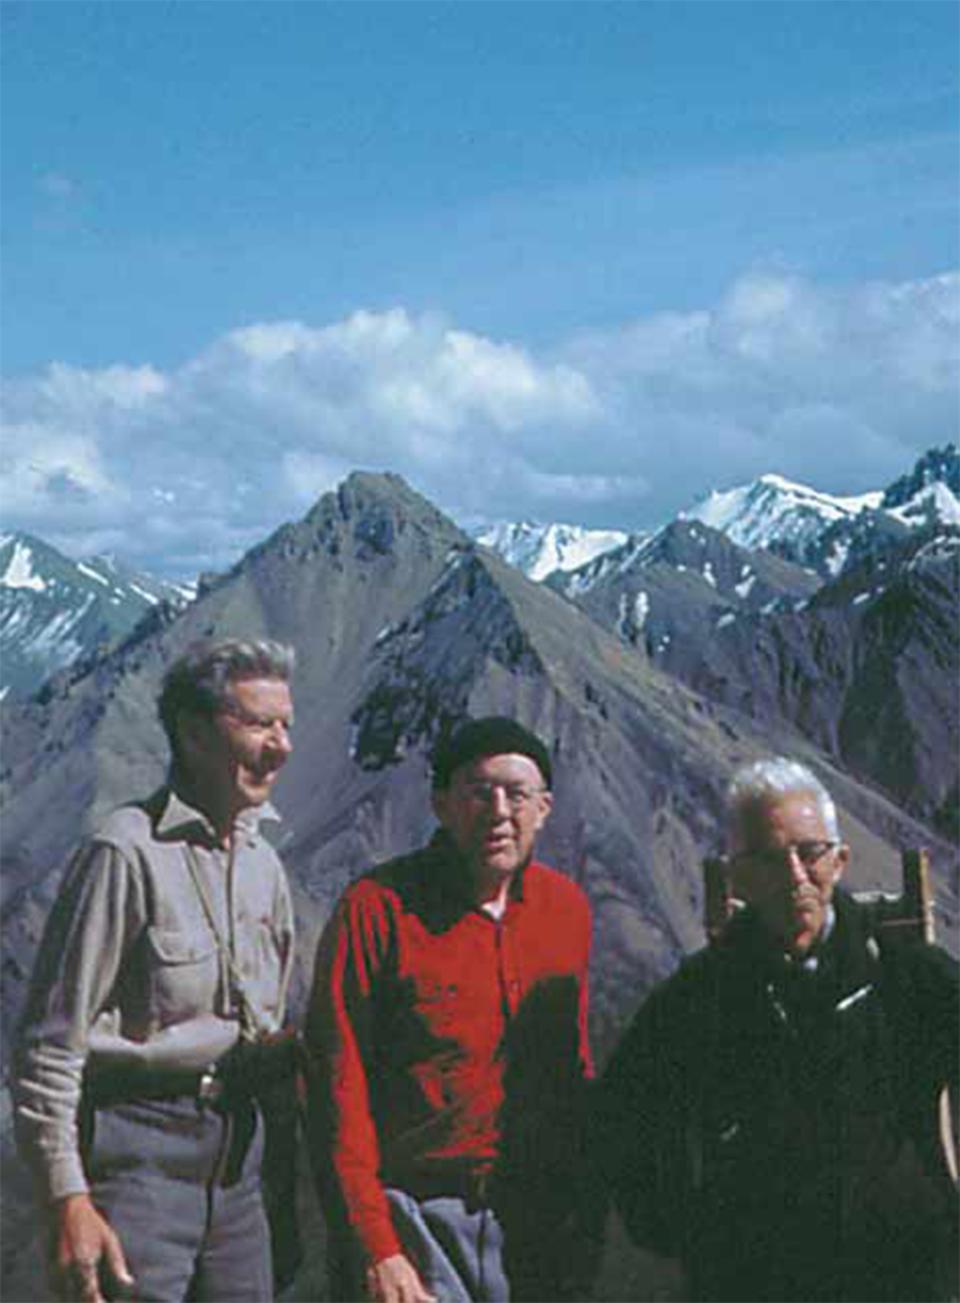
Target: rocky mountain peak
<point x="366" y="500"/>
<point x="938" y="465"/>
<point x="778" y="514"/>
<point x="424" y="667"/>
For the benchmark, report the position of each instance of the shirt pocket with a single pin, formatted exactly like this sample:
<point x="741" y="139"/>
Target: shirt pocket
<point x="183" y="972"/>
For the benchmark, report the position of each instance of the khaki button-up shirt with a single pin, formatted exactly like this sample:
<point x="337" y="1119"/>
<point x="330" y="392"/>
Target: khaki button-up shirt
<point x="129" y="955"/>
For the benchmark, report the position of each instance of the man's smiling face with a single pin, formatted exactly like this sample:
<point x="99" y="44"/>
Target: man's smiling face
<point x="234" y="757"/>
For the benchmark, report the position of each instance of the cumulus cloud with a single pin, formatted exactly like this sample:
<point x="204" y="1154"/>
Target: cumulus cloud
<point x="839" y="387"/>
<point x="202" y="461"/>
<point x="181" y="470"/>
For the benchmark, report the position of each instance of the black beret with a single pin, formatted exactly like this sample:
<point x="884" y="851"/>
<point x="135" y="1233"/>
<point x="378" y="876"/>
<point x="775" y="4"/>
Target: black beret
<point x="493" y="735"/>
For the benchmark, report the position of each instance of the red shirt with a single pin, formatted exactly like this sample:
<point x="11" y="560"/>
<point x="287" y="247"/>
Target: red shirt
<point x="445" y="1040"/>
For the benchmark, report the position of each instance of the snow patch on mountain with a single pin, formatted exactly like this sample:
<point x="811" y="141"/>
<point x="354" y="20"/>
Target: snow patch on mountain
<point x="19" y="572"/>
<point x="632" y="615"/>
<point x="935" y="502"/>
<point x="538" y="549"/>
<point x="92" y="574"/>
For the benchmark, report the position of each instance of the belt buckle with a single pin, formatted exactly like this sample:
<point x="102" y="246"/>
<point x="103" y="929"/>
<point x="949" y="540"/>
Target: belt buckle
<point x="209" y="1087"/>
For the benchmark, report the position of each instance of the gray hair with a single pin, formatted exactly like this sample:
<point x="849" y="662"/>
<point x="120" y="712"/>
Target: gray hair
<point x="763" y="781"/>
<point x="198" y="682"/>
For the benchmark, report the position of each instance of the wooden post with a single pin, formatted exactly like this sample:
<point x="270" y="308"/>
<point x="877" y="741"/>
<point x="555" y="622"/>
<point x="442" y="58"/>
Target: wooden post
<point x="917" y="896"/>
<point x="716" y="897"/>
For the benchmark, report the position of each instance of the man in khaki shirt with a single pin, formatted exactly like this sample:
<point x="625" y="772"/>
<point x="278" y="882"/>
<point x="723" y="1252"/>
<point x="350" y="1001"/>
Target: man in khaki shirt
<point x="170" y="941"/>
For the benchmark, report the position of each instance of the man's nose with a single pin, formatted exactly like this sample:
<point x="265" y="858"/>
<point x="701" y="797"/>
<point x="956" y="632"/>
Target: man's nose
<point x="798" y="870"/>
<point x="279" y="738"/>
<point x="499" y="802"/>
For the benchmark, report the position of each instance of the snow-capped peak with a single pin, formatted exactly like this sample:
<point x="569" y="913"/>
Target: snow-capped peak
<point x="55" y="610"/>
<point x="829" y="532"/>
<point x="773" y="509"/>
<point x="935" y="502"/>
<point x="538" y="549"/>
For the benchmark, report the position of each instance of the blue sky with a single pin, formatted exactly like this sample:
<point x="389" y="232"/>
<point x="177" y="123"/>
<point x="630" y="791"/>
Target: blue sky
<point x="523" y="245"/>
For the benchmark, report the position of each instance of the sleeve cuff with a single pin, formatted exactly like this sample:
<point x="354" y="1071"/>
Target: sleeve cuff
<point x="64" y="1177"/>
<point x="379" y="1242"/>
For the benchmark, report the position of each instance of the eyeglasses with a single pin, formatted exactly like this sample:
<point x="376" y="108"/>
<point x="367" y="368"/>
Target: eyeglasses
<point x="809" y="854"/>
<point x="518" y="796"/>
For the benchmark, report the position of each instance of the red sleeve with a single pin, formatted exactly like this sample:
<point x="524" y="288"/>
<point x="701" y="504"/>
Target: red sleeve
<point x="339" y="1029"/>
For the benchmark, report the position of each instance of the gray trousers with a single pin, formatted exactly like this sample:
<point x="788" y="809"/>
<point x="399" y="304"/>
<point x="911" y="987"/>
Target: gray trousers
<point x="458" y="1251"/>
<point x="180" y="1185"/>
<point x="511" y="1252"/>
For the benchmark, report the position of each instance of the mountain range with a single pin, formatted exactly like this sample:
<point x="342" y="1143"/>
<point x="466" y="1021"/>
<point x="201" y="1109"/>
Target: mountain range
<point x="55" y="611"/>
<point x="651" y="674"/>
<point x="861" y="656"/>
<point x="815" y="529"/>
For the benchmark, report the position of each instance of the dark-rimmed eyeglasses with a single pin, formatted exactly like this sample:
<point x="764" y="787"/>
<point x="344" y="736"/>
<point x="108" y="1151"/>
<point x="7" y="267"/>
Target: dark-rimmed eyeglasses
<point x="518" y="795"/>
<point x="809" y="853"/>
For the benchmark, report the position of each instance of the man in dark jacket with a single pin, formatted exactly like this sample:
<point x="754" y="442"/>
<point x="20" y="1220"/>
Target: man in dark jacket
<point x="771" y="1116"/>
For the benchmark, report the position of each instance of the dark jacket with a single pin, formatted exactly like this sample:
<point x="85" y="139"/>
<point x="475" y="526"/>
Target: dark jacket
<point x="776" y="1128"/>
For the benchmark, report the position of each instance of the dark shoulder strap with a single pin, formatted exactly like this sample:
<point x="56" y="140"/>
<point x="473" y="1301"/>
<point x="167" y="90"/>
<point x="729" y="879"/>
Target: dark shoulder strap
<point x="250" y="1026"/>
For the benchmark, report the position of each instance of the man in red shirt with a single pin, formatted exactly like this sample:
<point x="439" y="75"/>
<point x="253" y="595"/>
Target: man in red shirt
<point x="448" y="1028"/>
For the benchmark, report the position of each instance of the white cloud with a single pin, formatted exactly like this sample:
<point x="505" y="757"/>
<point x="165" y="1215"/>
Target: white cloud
<point x="310" y="475"/>
<point x="840" y="387"/>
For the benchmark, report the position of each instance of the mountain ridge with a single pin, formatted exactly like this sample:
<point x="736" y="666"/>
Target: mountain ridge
<point x="55" y="611"/>
<point x="808" y="526"/>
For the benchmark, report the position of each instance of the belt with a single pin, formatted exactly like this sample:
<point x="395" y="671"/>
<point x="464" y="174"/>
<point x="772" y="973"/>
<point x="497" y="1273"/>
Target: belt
<point x="207" y="1088"/>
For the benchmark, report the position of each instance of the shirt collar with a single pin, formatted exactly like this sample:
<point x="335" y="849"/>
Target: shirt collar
<point x="811" y="960"/>
<point x="177" y="817"/>
<point x="747" y="933"/>
<point x="845" y="951"/>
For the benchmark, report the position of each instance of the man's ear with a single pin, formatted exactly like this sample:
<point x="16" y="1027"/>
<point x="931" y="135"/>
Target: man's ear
<point x="544" y="808"/>
<point x="190" y="730"/>
<point x="841" y="858"/>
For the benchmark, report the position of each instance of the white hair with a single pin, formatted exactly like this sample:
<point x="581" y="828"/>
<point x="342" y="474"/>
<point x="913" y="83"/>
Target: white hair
<point x="764" y="781"/>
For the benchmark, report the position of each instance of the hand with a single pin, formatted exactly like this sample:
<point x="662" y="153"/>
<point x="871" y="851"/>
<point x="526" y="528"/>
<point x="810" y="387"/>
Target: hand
<point x="84" y="1239"/>
<point x="395" y="1280"/>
